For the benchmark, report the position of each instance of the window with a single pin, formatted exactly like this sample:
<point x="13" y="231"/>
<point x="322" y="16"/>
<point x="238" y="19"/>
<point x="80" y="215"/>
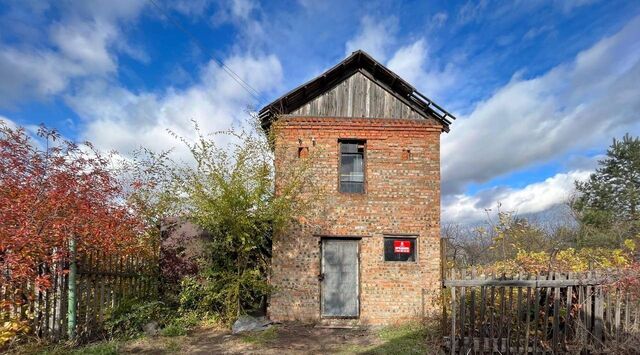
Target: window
<point x="399" y="249"/>
<point x="352" y="166"/>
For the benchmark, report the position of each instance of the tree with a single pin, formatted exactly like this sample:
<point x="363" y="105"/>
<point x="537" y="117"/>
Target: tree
<point x="608" y="205"/>
<point x="51" y="191"/>
<point x="229" y="191"/>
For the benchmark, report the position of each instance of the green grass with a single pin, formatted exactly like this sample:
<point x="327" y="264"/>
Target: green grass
<point x="172" y="346"/>
<point x="403" y="339"/>
<point x="104" y="348"/>
<point x="174" y="330"/>
<point x="261" y="337"/>
<point x="100" y="348"/>
<point x="181" y="325"/>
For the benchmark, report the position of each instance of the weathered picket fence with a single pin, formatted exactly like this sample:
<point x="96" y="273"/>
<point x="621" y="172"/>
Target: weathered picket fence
<point x="553" y="313"/>
<point x="102" y="283"/>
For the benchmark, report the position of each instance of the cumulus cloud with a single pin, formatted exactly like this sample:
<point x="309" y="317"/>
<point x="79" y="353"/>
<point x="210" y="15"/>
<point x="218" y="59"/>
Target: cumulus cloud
<point x="78" y="45"/>
<point x="85" y="44"/>
<point x="117" y="118"/>
<point x="378" y="37"/>
<point x="533" y="198"/>
<point x="412" y="63"/>
<point x="573" y="106"/>
<point x="234" y="11"/>
<point x="375" y="37"/>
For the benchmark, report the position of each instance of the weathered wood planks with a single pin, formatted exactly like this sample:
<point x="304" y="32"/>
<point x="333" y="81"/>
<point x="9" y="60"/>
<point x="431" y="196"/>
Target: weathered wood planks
<point x="357" y="96"/>
<point x="103" y="282"/>
<point x="552" y="313"/>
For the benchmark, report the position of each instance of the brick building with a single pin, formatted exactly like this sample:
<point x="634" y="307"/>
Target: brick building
<point x="371" y="252"/>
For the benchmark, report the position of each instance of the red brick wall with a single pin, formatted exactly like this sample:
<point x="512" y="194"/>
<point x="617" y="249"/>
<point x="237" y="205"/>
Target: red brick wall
<point x="402" y="197"/>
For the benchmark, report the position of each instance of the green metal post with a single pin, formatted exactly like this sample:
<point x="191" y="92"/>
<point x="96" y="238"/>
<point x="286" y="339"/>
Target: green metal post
<point x="71" y="299"/>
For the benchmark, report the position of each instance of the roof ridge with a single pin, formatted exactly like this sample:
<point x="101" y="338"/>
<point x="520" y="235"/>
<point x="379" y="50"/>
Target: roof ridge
<point x="359" y="60"/>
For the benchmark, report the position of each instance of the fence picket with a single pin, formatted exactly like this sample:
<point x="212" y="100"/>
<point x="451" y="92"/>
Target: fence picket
<point x="608" y="309"/>
<point x="627" y="316"/>
<point x="547" y="308"/>
<point x="528" y="317"/>
<point x="452" y="336"/>
<point x="519" y="313"/>
<point x="598" y="326"/>
<point x="493" y="312"/>
<point x="617" y="319"/>
<point x="536" y="313"/>
<point x="482" y="318"/>
<point x="569" y="308"/>
<point x="472" y="302"/>
<point x="102" y="283"/>
<point x="462" y="313"/>
<point x="556" y="313"/>
<point x="502" y="319"/>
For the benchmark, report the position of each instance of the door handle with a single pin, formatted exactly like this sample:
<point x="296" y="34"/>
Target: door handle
<point x="321" y="277"/>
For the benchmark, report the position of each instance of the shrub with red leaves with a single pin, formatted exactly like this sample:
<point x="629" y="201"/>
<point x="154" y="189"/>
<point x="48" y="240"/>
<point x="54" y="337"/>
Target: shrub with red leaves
<point x="52" y="190"/>
<point x="627" y="280"/>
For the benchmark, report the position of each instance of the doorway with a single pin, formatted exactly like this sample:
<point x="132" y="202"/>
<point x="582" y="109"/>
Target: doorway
<point x="340" y="278"/>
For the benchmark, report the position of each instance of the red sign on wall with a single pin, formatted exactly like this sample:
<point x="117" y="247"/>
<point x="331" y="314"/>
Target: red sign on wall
<point x="402" y="246"/>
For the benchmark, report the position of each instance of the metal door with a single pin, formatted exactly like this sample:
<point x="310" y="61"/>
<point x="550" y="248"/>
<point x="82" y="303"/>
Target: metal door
<point x="340" y="278"/>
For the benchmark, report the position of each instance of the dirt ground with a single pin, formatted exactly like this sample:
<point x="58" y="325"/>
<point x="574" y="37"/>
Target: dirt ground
<point x="280" y="339"/>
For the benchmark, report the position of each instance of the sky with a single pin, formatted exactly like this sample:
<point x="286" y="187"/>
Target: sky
<point x="539" y="88"/>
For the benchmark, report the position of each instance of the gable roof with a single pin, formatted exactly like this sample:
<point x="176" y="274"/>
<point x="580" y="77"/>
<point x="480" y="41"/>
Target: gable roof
<point x="358" y="61"/>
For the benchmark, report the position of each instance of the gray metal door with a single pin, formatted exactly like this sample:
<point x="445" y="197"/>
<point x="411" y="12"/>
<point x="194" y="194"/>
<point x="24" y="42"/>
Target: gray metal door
<point x="340" y="278"/>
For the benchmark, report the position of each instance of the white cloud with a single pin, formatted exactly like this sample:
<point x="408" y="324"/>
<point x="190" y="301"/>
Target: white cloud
<point x="192" y="8"/>
<point x="376" y="36"/>
<point x="568" y="6"/>
<point x="31" y="73"/>
<point x="438" y="20"/>
<point x="537" y="31"/>
<point x="119" y="119"/>
<point x="412" y="64"/>
<point x="234" y="11"/>
<point x="533" y="198"/>
<point x="573" y="106"/>
<point x="471" y="11"/>
<point x="85" y="44"/>
<point x="8" y="122"/>
<point x="79" y="46"/>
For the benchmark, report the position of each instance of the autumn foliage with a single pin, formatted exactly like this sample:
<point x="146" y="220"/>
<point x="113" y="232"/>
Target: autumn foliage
<point x="52" y="190"/>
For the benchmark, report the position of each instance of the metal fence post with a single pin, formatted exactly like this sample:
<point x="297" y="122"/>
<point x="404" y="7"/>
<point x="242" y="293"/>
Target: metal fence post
<point x="71" y="299"/>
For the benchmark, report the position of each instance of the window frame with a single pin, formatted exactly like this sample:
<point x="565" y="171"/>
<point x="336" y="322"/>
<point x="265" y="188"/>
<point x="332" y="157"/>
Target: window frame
<point x="364" y="164"/>
<point x="416" y="253"/>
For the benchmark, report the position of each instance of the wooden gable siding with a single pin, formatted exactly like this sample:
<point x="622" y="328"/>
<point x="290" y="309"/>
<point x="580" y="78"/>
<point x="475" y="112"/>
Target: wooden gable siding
<point x="357" y="96"/>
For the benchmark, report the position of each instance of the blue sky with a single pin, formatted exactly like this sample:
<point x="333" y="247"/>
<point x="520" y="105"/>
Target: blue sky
<point x="539" y="87"/>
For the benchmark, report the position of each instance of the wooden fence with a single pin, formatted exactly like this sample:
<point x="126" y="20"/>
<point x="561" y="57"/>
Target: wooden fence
<point x="102" y="283"/>
<point x="554" y="313"/>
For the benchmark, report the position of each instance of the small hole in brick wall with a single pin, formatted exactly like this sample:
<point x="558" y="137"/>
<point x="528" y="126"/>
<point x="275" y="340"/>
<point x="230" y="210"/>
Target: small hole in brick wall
<point x="406" y="154"/>
<point x="303" y="152"/>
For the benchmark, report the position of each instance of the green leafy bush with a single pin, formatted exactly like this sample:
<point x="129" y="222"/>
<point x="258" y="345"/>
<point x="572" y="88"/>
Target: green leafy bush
<point x="230" y="192"/>
<point x="174" y="330"/>
<point x="182" y="325"/>
<point x="128" y="319"/>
